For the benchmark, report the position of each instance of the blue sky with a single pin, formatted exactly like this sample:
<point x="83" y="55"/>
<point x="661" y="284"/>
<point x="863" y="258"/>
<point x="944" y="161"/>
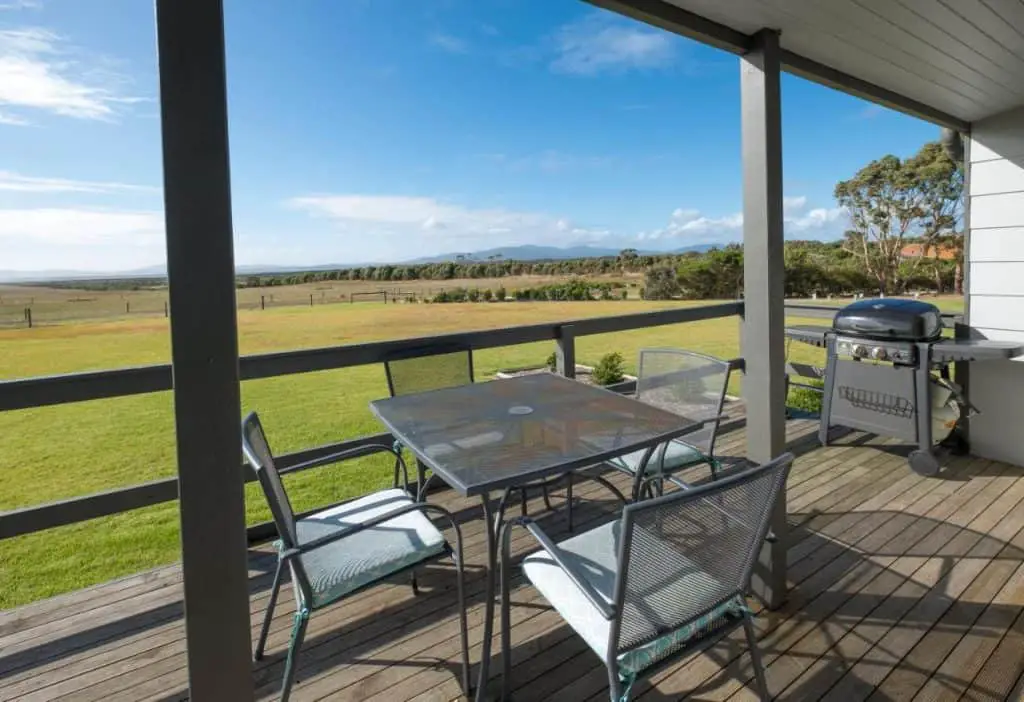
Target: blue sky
<point x="370" y="130"/>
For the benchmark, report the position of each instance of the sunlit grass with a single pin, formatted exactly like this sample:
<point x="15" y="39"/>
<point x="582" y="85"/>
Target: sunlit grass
<point x="59" y="452"/>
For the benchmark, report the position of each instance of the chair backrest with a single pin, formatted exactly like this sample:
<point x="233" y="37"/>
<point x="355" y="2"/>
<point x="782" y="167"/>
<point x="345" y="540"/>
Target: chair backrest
<point x="690" y="384"/>
<point x="429" y="368"/>
<point x="684" y="554"/>
<point x="257" y="453"/>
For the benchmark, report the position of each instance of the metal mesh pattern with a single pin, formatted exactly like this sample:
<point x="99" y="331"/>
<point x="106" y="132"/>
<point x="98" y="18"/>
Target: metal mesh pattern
<point x="686" y="383"/>
<point x="429" y="372"/>
<point x="690" y="552"/>
<point x="257" y="452"/>
<point x="506" y="432"/>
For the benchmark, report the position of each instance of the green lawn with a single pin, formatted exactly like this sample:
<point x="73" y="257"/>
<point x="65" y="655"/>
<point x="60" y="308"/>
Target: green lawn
<point x="59" y="452"/>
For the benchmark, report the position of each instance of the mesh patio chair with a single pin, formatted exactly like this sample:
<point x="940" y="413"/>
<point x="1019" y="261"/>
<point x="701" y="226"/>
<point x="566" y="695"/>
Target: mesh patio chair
<point x="669" y="575"/>
<point x="336" y="552"/>
<point x="689" y="384"/>
<point x="434" y="368"/>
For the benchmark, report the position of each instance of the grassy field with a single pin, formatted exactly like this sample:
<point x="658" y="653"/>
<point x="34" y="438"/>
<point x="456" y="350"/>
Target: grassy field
<point x="53" y="305"/>
<point x="59" y="452"/>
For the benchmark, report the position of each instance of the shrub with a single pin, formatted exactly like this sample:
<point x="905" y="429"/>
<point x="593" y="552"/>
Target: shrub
<point x="473" y="295"/>
<point x="624" y="294"/>
<point x="552" y="362"/>
<point x="805" y="399"/>
<point x="500" y="294"/>
<point x="610" y="369"/>
<point x="488" y="295"/>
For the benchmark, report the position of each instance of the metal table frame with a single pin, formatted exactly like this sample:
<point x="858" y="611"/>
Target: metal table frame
<point x="493" y="510"/>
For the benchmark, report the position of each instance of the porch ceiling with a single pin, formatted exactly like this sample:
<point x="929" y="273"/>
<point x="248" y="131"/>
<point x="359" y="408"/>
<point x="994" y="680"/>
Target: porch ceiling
<point x="964" y="58"/>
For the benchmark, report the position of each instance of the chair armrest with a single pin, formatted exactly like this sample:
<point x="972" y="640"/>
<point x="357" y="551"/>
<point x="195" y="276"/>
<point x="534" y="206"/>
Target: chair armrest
<point x="327" y="539"/>
<point x="357" y="452"/>
<point x="607" y="611"/>
<point x="339" y="456"/>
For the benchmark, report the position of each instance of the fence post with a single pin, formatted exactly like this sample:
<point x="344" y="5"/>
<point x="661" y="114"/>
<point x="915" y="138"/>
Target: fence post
<point x="166" y="311"/>
<point x="311" y="299"/>
<point x="28" y="316"/>
<point x="127" y="307"/>
<point x="565" y="352"/>
<point x="263" y="302"/>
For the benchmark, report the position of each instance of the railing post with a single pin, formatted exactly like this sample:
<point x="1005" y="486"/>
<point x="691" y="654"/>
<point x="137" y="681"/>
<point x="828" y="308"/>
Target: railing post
<point x="204" y="348"/>
<point x="565" y="353"/>
<point x="764" y="287"/>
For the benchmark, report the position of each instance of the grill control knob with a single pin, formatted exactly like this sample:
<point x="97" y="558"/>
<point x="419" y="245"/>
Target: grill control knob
<point x="859" y="351"/>
<point x="879" y="353"/>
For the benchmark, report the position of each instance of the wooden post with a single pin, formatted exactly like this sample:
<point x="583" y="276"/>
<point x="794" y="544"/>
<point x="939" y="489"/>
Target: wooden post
<point x="764" y="274"/>
<point x="204" y="348"/>
<point x="28" y="316"/>
<point x="311" y="299"/>
<point x="166" y="310"/>
<point x="565" y="352"/>
<point x="127" y="307"/>
<point x="263" y="302"/>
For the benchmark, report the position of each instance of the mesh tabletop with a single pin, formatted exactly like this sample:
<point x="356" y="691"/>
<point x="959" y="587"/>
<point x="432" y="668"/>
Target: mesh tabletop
<point x="492" y="435"/>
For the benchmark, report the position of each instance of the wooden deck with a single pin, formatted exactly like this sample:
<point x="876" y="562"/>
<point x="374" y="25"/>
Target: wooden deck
<point x="904" y="588"/>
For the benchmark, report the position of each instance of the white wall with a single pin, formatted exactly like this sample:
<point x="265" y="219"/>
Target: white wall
<point x="996" y="281"/>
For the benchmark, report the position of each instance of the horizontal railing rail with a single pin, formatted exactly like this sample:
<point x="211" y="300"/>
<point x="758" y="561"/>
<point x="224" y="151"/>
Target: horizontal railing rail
<point x="97" y="385"/>
<point x="94" y="385"/>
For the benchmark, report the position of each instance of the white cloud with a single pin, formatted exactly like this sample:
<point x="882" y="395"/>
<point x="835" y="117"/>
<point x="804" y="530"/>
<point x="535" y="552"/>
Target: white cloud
<point x="21" y="5"/>
<point x="794" y="204"/>
<point x="449" y="43"/>
<point x="15" y="182"/>
<point x="693" y="227"/>
<point x="601" y="43"/>
<point x="40" y="71"/>
<point x="80" y="238"/>
<point x="409" y="226"/>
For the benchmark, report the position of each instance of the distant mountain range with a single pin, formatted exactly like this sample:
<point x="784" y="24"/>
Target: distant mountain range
<point x="507" y="253"/>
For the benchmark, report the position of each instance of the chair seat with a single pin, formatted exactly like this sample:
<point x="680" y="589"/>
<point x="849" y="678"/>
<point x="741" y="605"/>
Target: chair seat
<point x="595" y="554"/>
<point x="677" y="455"/>
<point x="352" y="562"/>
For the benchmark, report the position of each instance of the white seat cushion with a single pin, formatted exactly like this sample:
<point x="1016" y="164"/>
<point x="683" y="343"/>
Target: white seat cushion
<point x="595" y="554"/>
<point x="354" y="561"/>
<point x="677" y="455"/>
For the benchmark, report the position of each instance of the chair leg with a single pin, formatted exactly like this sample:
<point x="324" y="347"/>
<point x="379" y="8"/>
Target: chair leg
<point x="298" y="633"/>
<point x="755" y="657"/>
<point x="547" y="498"/>
<point x="614" y="686"/>
<point x="269" y="614"/>
<point x="568" y="501"/>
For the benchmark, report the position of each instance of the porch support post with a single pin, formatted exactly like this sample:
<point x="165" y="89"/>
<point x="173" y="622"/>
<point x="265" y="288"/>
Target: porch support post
<point x="764" y="289"/>
<point x="204" y="347"/>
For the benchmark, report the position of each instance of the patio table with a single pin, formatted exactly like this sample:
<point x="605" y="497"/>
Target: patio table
<point x="486" y="438"/>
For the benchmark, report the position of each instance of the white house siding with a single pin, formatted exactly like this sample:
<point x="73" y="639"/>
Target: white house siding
<point x="996" y="281"/>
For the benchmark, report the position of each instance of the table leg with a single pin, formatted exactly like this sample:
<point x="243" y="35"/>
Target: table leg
<point x="492" y="565"/>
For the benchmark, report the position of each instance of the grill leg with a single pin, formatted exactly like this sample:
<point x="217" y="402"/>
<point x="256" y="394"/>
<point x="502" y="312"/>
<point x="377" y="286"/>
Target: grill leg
<point x="826" y="394"/>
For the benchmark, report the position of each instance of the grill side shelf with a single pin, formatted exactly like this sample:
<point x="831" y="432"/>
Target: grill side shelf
<point x="808" y="334"/>
<point x="952" y="350"/>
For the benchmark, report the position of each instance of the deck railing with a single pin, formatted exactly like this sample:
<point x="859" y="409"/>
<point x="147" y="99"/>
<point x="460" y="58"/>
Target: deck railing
<point x="96" y="385"/>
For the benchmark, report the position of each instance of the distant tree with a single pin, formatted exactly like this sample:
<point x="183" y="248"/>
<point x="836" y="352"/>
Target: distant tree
<point x="891" y="201"/>
<point x="488" y="295"/>
<point x="661" y="283"/>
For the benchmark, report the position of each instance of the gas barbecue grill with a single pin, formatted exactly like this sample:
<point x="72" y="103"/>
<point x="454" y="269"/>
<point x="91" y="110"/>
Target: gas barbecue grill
<point x="887" y="372"/>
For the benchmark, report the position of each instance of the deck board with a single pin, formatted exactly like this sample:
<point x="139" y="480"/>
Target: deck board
<point x="903" y="587"/>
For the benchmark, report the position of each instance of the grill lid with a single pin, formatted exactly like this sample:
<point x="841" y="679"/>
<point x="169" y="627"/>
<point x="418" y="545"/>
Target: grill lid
<point x="890" y="319"/>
